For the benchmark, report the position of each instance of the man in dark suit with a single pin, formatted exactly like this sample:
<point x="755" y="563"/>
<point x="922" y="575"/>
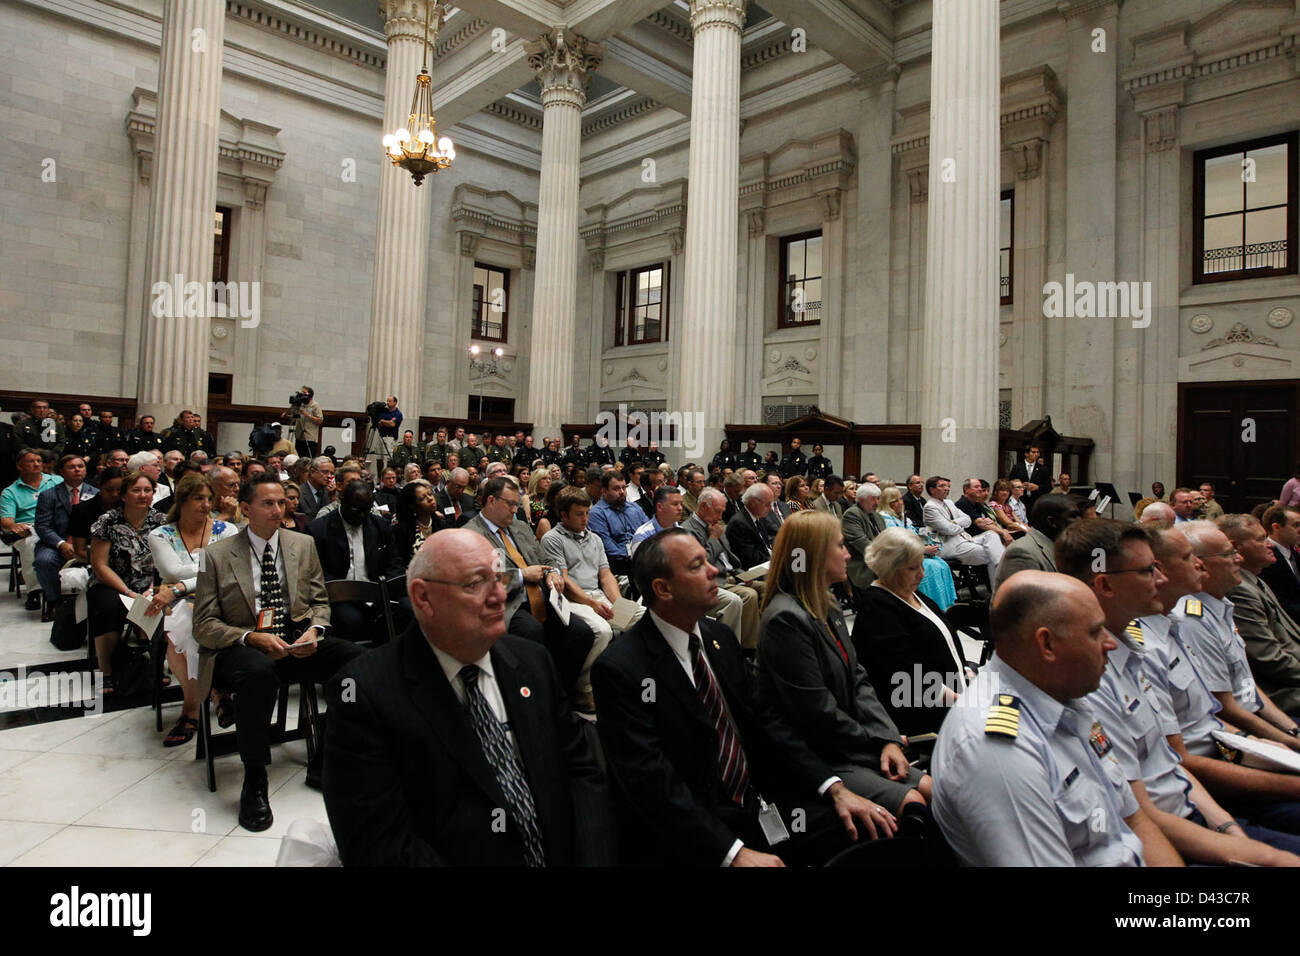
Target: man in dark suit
<point x="261" y="614"/>
<point x="914" y="501"/>
<point x="53" y="510"/>
<point x="454" y="745"/>
<point x="353" y="543"/>
<point x="314" y="494"/>
<point x="1050" y="515"/>
<point x="1282" y="522"/>
<point x="455" y="505"/>
<point x="1033" y="473"/>
<point x="691" y="763"/>
<point x="747" y="531"/>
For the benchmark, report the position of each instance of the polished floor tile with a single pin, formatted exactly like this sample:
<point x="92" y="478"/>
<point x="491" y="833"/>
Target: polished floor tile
<point x="249" y="851"/>
<point x="104" y="846"/>
<point x="18" y="837"/>
<point x="61" y="788"/>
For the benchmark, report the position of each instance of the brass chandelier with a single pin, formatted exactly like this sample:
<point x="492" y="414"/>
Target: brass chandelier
<point x="416" y="147"/>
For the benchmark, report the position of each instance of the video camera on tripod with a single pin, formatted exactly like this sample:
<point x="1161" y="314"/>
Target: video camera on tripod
<point x="376" y="411"/>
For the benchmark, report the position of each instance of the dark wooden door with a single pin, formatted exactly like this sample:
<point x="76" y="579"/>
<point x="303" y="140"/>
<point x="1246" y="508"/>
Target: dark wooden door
<point x="1240" y="437"/>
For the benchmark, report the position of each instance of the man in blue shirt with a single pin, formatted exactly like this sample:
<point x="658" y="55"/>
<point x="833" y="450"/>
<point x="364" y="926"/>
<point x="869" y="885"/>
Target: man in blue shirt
<point x="615" y="521"/>
<point x="668" y="513"/>
<point x="391" y="420"/>
<point x="18" y="516"/>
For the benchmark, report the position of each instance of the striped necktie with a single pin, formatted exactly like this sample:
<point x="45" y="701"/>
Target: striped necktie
<point x="733" y="769"/>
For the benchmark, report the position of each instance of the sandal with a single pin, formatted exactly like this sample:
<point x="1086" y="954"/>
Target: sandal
<point x="110" y="686"/>
<point x="182" y="733"/>
<point x="225" y="710"/>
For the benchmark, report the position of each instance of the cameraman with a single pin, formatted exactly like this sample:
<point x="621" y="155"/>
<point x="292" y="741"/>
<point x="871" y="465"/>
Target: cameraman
<point x="309" y="417"/>
<point x="390" y="419"/>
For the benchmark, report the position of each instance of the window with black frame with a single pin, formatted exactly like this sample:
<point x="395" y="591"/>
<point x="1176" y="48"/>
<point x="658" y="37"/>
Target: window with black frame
<point x="491" y="314"/>
<point x="641" y="305"/>
<point x="801" y="280"/>
<point x="220" y="253"/>
<point x="1006" y="241"/>
<point x="1244" y="199"/>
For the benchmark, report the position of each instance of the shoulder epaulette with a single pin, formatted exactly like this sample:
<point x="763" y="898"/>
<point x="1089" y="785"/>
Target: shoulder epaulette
<point x="1134" y="632"/>
<point x="1004" y="717"/>
<point x="1193" y="607"/>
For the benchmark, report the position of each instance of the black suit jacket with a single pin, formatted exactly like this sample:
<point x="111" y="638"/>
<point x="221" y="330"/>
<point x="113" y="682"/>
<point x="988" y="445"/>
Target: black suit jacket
<point x="803" y="679"/>
<point x="1280" y="578"/>
<point x="406" y="781"/>
<point x="892" y="640"/>
<point x="913" y="508"/>
<point x="332" y="547"/>
<point x="1038" y="475"/>
<point x="746" y="540"/>
<point x="662" y="749"/>
<point x="468" y="509"/>
<point x="404" y="538"/>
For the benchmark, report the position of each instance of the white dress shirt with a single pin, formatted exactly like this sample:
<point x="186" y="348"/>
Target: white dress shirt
<point x="356" y="552"/>
<point x="258" y="548"/>
<point x="487" y="683"/>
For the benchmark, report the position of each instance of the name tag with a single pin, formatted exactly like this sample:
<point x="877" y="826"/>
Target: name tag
<point x="449" y="510"/>
<point x="266" y="619"/>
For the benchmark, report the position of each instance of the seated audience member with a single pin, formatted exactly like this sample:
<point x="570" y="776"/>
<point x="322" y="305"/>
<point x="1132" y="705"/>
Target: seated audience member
<point x="1290" y="493"/>
<point x="831" y="497"/>
<point x="1130" y="706"/>
<point x="225" y="494"/>
<point x="861" y="523"/>
<point x="527" y="609"/>
<point x="1051" y="515"/>
<point x="733" y="486"/>
<point x="249" y="642"/>
<point x="778" y="511"/>
<point x="255" y="467"/>
<point x="797" y="494"/>
<point x="18" y="517"/>
<point x="667" y="514"/>
<point x="1282" y="575"/>
<point x="1272" y="637"/>
<point x="1157" y="515"/>
<point x="120" y="564"/>
<point x="455" y="504"/>
<point x="809" y="675"/>
<point x="1206" y="622"/>
<point x="347" y="473"/>
<point x="151" y="464"/>
<point x="84" y="515"/>
<point x="412" y="471"/>
<point x="691" y="481"/>
<point x="293" y="520"/>
<point x="937" y="583"/>
<point x="386" y="493"/>
<point x="974" y="504"/>
<point x="353" y="544"/>
<point x="999" y="502"/>
<point x="53" y="513"/>
<point x="692" y="798"/>
<point x="747" y="532"/>
<point x="177" y="548"/>
<point x="400" y="793"/>
<point x="416" y="519"/>
<point x="1062" y="486"/>
<point x="911" y="652"/>
<point x="632" y="472"/>
<point x="539" y="484"/>
<point x="949" y="525"/>
<point x="738" y="603"/>
<point x="615" y="521"/>
<point x="1003" y="758"/>
<point x="1017" y="502"/>
<point x="1183" y="501"/>
<point x="316" y="491"/>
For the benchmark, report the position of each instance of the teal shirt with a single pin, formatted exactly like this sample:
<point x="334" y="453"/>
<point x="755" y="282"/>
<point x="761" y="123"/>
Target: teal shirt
<point x="18" y="501"/>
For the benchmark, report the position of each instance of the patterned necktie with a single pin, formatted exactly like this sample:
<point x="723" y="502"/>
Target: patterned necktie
<point x="732" y="766"/>
<point x="505" y="765"/>
<point x="272" y="598"/>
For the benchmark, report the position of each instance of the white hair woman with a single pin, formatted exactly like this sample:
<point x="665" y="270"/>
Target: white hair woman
<point x="937" y="584"/>
<point x="903" y="638"/>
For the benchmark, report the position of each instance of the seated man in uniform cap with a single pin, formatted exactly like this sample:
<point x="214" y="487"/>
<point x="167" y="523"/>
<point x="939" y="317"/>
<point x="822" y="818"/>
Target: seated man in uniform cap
<point x="1024" y="773"/>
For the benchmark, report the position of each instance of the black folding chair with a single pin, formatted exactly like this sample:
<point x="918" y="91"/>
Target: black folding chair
<point x="972" y="577"/>
<point x="973" y="618"/>
<point x="393" y="591"/>
<point x="212" y="745"/>
<point x="346" y="591"/>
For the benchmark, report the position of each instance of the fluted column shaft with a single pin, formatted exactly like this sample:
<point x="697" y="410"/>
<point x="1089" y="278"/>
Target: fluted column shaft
<point x="402" y="238"/>
<point x="564" y="63"/>
<point x="959" y="400"/>
<point x="174" y="346"/>
<point x="705" y="385"/>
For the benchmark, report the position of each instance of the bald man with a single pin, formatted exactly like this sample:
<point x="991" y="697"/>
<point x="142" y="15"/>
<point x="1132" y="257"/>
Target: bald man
<point x="1023" y="770"/>
<point x="454" y="745"/>
<point x="1157" y="515"/>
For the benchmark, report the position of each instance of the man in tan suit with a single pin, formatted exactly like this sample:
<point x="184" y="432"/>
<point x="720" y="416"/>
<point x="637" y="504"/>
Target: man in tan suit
<point x="261" y="615"/>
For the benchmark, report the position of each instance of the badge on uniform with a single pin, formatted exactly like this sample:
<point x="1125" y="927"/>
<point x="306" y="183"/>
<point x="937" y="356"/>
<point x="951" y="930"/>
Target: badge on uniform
<point x="1193" y="608"/>
<point x="1134" y="633"/>
<point x="1098" y="739"/>
<point x="1004" y="717"/>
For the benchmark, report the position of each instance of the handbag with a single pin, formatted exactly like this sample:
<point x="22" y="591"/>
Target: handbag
<point x="67" y="634"/>
<point x="132" y="669"/>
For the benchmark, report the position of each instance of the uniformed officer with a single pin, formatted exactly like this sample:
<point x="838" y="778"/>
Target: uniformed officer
<point x="654" y="457"/>
<point x="185" y="436"/>
<point x="498" y="451"/>
<point x="438" y="449"/>
<point x="143" y="437"/>
<point x="630" y="454"/>
<point x="819" y="466"/>
<point x="42" y="429"/>
<point x="724" y="458"/>
<point x="406" y="453"/>
<point x="1023" y="770"/>
<point x="600" y="453"/>
<point x="575" y="453"/>
<point x="750" y="458"/>
<point x="551" y="453"/>
<point x="794" y="463"/>
<point x="108" y="436"/>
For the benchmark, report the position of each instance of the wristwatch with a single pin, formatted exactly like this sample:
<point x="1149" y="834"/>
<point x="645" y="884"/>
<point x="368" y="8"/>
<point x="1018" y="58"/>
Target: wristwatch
<point x="1294" y="731"/>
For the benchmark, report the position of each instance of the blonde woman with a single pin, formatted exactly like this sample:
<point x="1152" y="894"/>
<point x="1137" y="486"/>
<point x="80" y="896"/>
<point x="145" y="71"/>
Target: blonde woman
<point x="539" y="483"/>
<point x="809" y="673"/>
<point x="937" y="584"/>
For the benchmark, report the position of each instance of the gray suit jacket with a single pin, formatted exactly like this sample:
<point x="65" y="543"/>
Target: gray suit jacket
<point x="714" y="547"/>
<point x="528" y="546"/>
<point x="860" y="529"/>
<point x="1272" y="641"/>
<point x="945" y="525"/>
<point x="1033" y="552"/>
<point x="822" y="503"/>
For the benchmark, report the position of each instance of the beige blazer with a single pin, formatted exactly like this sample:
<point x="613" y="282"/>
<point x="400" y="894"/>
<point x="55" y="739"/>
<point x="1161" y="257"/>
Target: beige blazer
<point x="224" y="602"/>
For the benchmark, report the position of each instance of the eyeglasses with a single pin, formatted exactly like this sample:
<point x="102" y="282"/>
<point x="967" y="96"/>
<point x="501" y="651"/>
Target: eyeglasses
<point x="1145" y="572"/>
<point x="1227" y="555"/>
<point x="479" y="587"/>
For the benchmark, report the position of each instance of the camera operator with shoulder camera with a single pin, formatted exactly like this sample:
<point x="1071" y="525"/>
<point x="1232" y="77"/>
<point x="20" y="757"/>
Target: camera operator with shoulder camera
<point x="306" y="416"/>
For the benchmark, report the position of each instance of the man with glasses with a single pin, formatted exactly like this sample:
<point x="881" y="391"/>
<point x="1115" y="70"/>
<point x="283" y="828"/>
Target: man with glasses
<point x="453" y="744"/>
<point x="1206" y="622"/>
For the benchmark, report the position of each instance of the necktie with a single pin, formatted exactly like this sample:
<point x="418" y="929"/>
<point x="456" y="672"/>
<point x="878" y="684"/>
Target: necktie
<point x="536" y="603"/>
<point x="505" y="766"/>
<point x="271" y="596"/>
<point x="733" y="769"/>
<point x="76" y="496"/>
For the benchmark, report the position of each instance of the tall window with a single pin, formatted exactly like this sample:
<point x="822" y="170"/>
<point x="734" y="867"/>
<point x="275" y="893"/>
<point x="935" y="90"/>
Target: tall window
<point x="1006" y="239"/>
<point x="221" y="251"/>
<point x="641" y="306"/>
<point x="487" y="408"/>
<point x="1245" y="210"/>
<point x="491" y="312"/>
<point x="801" y="280"/>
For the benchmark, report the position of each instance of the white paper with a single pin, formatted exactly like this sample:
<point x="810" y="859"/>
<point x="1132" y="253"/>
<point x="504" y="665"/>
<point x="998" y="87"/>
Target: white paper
<point x="1260" y="754"/>
<point x="754" y="573"/>
<point x="135" y="613"/>
<point x="1103" y="505"/>
<point x="561" y="605"/>
<point x="625" y="613"/>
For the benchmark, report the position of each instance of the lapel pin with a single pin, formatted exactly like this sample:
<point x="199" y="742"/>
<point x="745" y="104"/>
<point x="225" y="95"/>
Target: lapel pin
<point x="717" y="646"/>
<point x="525" y="692"/>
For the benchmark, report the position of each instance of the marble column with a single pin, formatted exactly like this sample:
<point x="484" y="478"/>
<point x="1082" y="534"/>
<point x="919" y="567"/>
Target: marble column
<point x="959" y="400"/>
<point x="397" y="297"/>
<point x="564" y="62"/>
<point x="174" y="345"/>
<point x="705" y="384"/>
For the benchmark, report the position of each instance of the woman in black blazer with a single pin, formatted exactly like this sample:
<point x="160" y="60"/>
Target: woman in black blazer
<point x="415" y="518"/>
<point x="912" y="654"/>
<point x="808" y="673"/>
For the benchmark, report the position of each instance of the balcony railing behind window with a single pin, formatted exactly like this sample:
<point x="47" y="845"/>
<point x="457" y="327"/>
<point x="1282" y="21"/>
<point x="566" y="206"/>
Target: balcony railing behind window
<point x="1256" y="255"/>
<point x="810" y="315"/>
<point x="483" y="329"/>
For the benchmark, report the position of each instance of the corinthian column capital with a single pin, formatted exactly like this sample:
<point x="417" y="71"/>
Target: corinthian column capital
<point x="404" y="19"/>
<point x="564" y="62"/>
<point x="718" y="13"/>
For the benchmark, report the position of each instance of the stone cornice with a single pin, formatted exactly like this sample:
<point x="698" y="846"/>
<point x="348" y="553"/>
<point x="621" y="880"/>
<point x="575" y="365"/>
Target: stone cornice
<point x="513" y="114"/>
<point x="672" y="25"/>
<point x="459" y="37"/>
<point x="665" y="214"/>
<point x="316" y="32"/>
<point x="620" y="116"/>
<point x="822" y="165"/>
<point x="492" y="214"/>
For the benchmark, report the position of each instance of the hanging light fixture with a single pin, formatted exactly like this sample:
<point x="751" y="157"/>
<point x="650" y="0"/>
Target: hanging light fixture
<point x="416" y="147"/>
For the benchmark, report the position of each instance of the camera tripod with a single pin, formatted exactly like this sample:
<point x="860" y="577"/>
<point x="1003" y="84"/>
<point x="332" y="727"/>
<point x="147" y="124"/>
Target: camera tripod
<point x="376" y="449"/>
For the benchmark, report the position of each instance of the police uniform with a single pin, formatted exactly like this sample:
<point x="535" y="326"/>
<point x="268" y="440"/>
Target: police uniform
<point x="1021" y="779"/>
<point x="599" y="454"/>
<point x="404" y="455"/>
<point x="550" y="456"/>
<point x="183" y="440"/>
<point x="723" y="459"/>
<point x="794" y="464"/>
<point x="526" y="455"/>
<point x="819" y="466"/>
<point x="749" y="459"/>
<point x="575" y="454"/>
<point x="629" y="457"/>
<point x="139" y="440"/>
<point x="32" y="432"/>
<point x="108" y="439"/>
<point x="1205" y="622"/>
<point x="655" y="458"/>
<point x="499" y="453"/>
<point x="438" y="451"/>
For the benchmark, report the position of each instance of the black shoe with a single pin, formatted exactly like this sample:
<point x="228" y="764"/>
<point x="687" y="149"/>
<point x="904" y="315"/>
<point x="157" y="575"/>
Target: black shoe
<point x="255" y="807"/>
<point x="47" y="613"/>
<point x="33" y="601"/>
<point x="313" y="777"/>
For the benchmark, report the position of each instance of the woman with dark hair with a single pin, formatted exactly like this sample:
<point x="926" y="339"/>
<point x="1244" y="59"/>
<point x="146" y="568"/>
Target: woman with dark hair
<point x="416" y="518"/>
<point x="80" y="440"/>
<point x="809" y="675"/>
<point x="796" y="493"/>
<point x="177" y="549"/>
<point x="1000" y="502"/>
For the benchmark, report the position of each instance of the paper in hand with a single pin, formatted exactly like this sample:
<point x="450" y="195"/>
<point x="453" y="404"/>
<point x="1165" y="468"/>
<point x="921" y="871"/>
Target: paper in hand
<point x="625" y="612"/>
<point x="561" y="605"/>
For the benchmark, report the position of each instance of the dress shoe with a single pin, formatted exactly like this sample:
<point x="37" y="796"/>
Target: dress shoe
<point x="255" y="807"/>
<point x="313" y="778"/>
<point x="33" y="601"/>
<point x="47" y="613"/>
